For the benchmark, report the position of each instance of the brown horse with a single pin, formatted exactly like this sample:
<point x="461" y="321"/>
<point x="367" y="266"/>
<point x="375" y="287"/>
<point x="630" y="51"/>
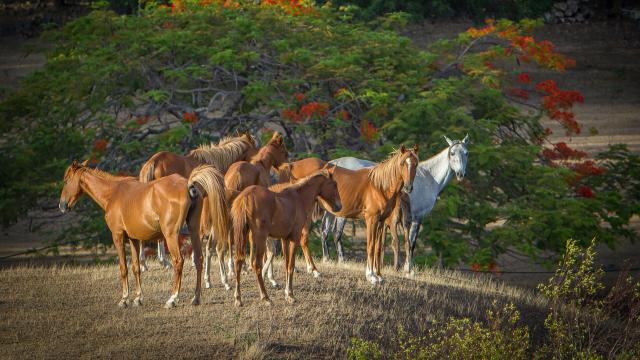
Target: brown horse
<point x="146" y="211"/>
<point x="371" y="193"/>
<point x="290" y="172"/>
<point x="239" y="176"/>
<point x="226" y="152"/>
<point x="258" y="213"/>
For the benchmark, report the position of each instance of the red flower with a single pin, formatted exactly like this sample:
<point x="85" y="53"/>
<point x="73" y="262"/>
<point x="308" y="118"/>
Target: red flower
<point x="476" y="266"/>
<point x="190" y="117"/>
<point x="524" y="78"/>
<point x="343" y="114"/>
<point x="299" y="97"/>
<point x="368" y="130"/>
<point x="292" y="115"/>
<point x="584" y="191"/>
<point x="100" y="145"/>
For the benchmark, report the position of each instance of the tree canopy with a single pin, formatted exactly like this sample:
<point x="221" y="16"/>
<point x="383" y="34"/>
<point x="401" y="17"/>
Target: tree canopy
<point x="116" y="89"/>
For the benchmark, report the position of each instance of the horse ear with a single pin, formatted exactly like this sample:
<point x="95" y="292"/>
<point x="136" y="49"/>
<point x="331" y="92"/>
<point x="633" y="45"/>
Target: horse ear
<point x="85" y="163"/>
<point x="74" y="164"/>
<point x="403" y="149"/>
<point x="416" y="148"/>
<point x="466" y="139"/>
<point x="332" y="169"/>
<point x="449" y="141"/>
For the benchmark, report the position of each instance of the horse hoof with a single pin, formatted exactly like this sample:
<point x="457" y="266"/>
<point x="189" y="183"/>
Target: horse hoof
<point x="238" y="303"/>
<point x="316" y="274"/>
<point x="275" y="285"/>
<point x="227" y="287"/>
<point x="143" y="268"/>
<point x="372" y="279"/>
<point x="266" y="302"/>
<point x="380" y="280"/>
<point x="123" y="303"/>
<point x="170" y="304"/>
<point x="195" y="301"/>
<point x="207" y="285"/>
<point x="137" y="302"/>
<point x="290" y="299"/>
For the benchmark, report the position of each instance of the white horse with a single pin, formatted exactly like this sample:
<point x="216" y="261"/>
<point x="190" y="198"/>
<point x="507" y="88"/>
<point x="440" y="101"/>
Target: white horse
<point x="432" y="175"/>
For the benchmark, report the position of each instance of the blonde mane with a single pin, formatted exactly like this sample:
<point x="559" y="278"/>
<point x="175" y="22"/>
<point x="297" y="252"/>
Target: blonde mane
<point x="222" y="155"/>
<point x="385" y="174"/>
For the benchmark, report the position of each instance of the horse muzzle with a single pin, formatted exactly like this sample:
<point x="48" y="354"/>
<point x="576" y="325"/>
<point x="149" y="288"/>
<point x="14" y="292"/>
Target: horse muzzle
<point x="337" y="206"/>
<point x="64" y="206"/>
<point x="459" y="175"/>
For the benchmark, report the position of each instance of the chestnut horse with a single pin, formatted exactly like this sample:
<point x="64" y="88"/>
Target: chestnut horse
<point x="226" y="152"/>
<point x="146" y="211"/>
<point x="239" y="176"/>
<point x="290" y="172"/>
<point x="258" y="213"/>
<point x="372" y="193"/>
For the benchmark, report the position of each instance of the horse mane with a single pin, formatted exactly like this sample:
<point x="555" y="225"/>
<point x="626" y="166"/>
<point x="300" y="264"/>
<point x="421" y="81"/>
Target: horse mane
<point x="222" y="155"/>
<point x="295" y="185"/>
<point x="105" y="175"/>
<point x="385" y="174"/>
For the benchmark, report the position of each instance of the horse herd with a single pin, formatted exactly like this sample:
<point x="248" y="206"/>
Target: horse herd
<point x="234" y="195"/>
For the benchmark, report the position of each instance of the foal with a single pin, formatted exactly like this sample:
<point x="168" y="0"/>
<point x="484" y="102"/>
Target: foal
<point x="239" y="176"/>
<point x="259" y="212"/>
<point x="146" y="211"/>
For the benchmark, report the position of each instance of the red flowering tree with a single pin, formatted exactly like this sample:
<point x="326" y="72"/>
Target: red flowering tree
<point x="190" y="72"/>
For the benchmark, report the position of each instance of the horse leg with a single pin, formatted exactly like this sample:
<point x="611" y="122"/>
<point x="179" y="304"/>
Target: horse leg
<point x="174" y="249"/>
<point x="196" y="251"/>
<point x="325" y="225"/>
<point x="395" y="245"/>
<point x="259" y="241"/>
<point x="409" y="244"/>
<point x="337" y="237"/>
<point x="291" y="265"/>
<point x="207" y="239"/>
<point x="135" y="266"/>
<point x="143" y="259"/>
<point x="371" y="223"/>
<point x="267" y="269"/>
<point x="236" y="295"/>
<point x="311" y="266"/>
<point x="378" y="250"/>
<point x="118" y="241"/>
<point x="162" y="256"/>
<point x="220" y="250"/>
<point x="383" y="238"/>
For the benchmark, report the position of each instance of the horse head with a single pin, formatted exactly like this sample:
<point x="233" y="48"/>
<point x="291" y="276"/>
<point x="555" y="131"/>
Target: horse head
<point x="409" y="163"/>
<point x="458" y="155"/>
<point x="278" y="150"/>
<point x="329" y="188"/>
<point x="71" y="190"/>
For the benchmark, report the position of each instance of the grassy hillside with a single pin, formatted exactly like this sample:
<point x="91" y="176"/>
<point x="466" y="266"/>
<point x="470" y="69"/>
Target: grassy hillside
<point x="72" y="312"/>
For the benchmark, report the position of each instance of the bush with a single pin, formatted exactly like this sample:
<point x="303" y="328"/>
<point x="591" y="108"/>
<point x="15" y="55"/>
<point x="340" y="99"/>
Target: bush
<point x="499" y="338"/>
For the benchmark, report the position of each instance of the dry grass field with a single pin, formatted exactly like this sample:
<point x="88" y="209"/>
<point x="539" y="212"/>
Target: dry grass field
<point x="71" y="312"/>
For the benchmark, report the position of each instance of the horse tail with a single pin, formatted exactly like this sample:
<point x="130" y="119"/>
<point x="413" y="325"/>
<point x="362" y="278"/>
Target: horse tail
<point x="240" y="227"/>
<point x="148" y="170"/>
<point x="212" y="181"/>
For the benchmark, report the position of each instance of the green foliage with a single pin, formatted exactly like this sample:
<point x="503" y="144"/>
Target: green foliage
<point x="583" y="322"/>
<point x="475" y="9"/>
<point x="499" y="338"/>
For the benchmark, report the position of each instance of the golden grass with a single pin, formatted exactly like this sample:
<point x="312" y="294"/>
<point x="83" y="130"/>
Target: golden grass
<point x="68" y="312"/>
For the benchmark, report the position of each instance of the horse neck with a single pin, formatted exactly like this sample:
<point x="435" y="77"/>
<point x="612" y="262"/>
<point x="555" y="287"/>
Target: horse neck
<point x="97" y="187"/>
<point x="265" y="158"/>
<point x="309" y="191"/>
<point x="394" y="188"/>
<point x="438" y="168"/>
